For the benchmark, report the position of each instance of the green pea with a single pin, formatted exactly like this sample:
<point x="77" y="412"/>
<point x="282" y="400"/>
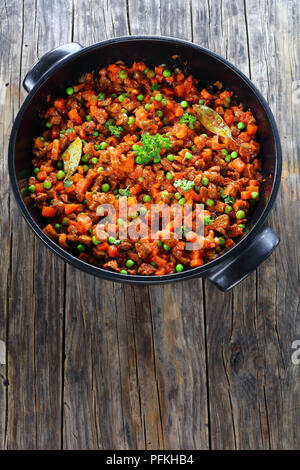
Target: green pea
<point x="123" y="271"/>
<point x="123" y="74"/>
<point x="221" y="241"/>
<point x="103" y="145"/>
<point x="146" y="70"/>
<point x="188" y="155"/>
<point x="170" y="158"/>
<point x="166" y="247"/>
<point x="159" y="113"/>
<point x="169" y="176"/>
<point x="242" y="226"/>
<point x="146" y="198"/>
<point x="130" y="120"/>
<point x="105" y="187"/>
<point x="24" y="191"/>
<point x="60" y="175"/>
<point x="182" y="201"/>
<point x="233" y="154"/>
<point x="240" y="125"/>
<point x="36" y="171"/>
<point x="157" y="159"/>
<point x="85" y="158"/>
<point x="99" y="169"/>
<point x="177" y="196"/>
<point x="224" y="152"/>
<point x="31" y="188"/>
<point x="114" y="95"/>
<point x="158" y="97"/>
<point x="94" y="160"/>
<point x="147" y="106"/>
<point x="65" y="221"/>
<point x="97" y="147"/>
<point x="141" y="179"/>
<point x="86" y="168"/>
<point x="140" y="97"/>
<point x="201" y="101"/>
<point x="81" y="248"/>
<point x="179" y="268"/>
<point x="227" y="158"/>
<point x="184" y="104"/>
<point x="47" y="184"/>
<point x="69" y="91"/>
<point x="48" y="125"/>
<point x="121" y="98"/>
<point x="88" y="117"/>
<point x="95" y="133"/>
<point x="210" y="202"/>
<point x="95" y="241"/>
<point x="151" y="74"/>
<point x="138" y="160"/>
<point x="143" y="210"/>
<point x="207" y="220"/>
<point x="166" y="73"/>
<point x="164" y="195"/>
<point x="129" y="263"/>
<point x="101" y="97"/>
<point x="57" y="227"/>
<point x="159" y="243"/>
<point x="240" y="215"/>
<point x="254" y="195"/>
<point x="228" y="209"/>
<point x="111" y="240"/>
<point x="205" y="181"/>
<point x="164" y="101"/>
<point x="43" y="138"/>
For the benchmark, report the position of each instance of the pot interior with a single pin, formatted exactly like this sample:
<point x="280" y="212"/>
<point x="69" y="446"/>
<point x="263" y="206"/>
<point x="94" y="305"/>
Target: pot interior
<point x="207" y="68"/>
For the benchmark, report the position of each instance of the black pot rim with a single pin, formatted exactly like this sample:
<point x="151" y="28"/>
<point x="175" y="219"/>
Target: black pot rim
<point x="138" y="279"/>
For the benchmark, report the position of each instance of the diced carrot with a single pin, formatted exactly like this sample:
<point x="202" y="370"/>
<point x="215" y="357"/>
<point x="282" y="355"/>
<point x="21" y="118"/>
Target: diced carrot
<point x="252" y="189"/>
<point x="60" y="104"/>
<point x="55" y="151"/>
<point x="103" y="246"/>
<point x="39" y="188"/>
<point x="196" y="262"/>
<point x="69" y="208"/>
<point x="180" y="91"/>
<point x="48" y="211"/>
<point x="74" y="116"/>
<point x="69" y="189"/>
<point x="246" y="194"/>
<point x="59" y="186"/>
<point x="252" y="129"/>
<point x="41" y="176"/>
<point x="113" y="251"/>
<point x="206" y="95"/>
<point x="237" y="165"/>
<point x="253" y="183"/>
<point x="178" y="112"/>
<point x="160" y="272"/>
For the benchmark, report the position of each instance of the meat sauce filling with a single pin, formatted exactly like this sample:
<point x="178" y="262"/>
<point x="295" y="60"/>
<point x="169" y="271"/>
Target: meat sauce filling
<point x="154" y="137"/>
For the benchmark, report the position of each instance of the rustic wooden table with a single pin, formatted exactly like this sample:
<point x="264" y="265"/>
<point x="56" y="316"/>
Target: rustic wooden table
<point x="90" y="364"/>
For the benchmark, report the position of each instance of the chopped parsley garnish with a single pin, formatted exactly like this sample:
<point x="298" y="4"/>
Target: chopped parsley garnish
<point x="155" y="86"/>
<point x="125" y="192"/>
<point x="113" y="129"/>
<point x="228" y="199"/>
<point x="151" y="147"/>
<point x="185" y="185"/>
<point x="68" y="182"/>
<point x="188" y="119"/>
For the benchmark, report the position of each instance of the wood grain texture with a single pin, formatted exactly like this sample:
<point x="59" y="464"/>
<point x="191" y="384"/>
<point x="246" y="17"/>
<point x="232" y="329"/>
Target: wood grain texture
<point x="92" y="364"/>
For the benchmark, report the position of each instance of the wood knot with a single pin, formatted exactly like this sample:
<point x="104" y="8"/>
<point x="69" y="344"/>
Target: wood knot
<point x="236" y="358"/>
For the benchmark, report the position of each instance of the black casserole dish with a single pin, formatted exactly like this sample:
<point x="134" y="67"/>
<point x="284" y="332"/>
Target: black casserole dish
<point x="63" y="65"/>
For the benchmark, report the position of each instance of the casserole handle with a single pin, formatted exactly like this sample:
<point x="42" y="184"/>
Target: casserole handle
<point x="232" y="272"/>
<point x="47" y="61"/>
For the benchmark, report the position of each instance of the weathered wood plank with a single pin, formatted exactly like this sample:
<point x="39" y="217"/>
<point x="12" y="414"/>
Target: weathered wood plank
<point x="274" y="53"/>
<point x="35" y="307"/>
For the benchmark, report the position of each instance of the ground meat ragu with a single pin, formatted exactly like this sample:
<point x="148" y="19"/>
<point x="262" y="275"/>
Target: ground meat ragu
<point x="119" y="112"/>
